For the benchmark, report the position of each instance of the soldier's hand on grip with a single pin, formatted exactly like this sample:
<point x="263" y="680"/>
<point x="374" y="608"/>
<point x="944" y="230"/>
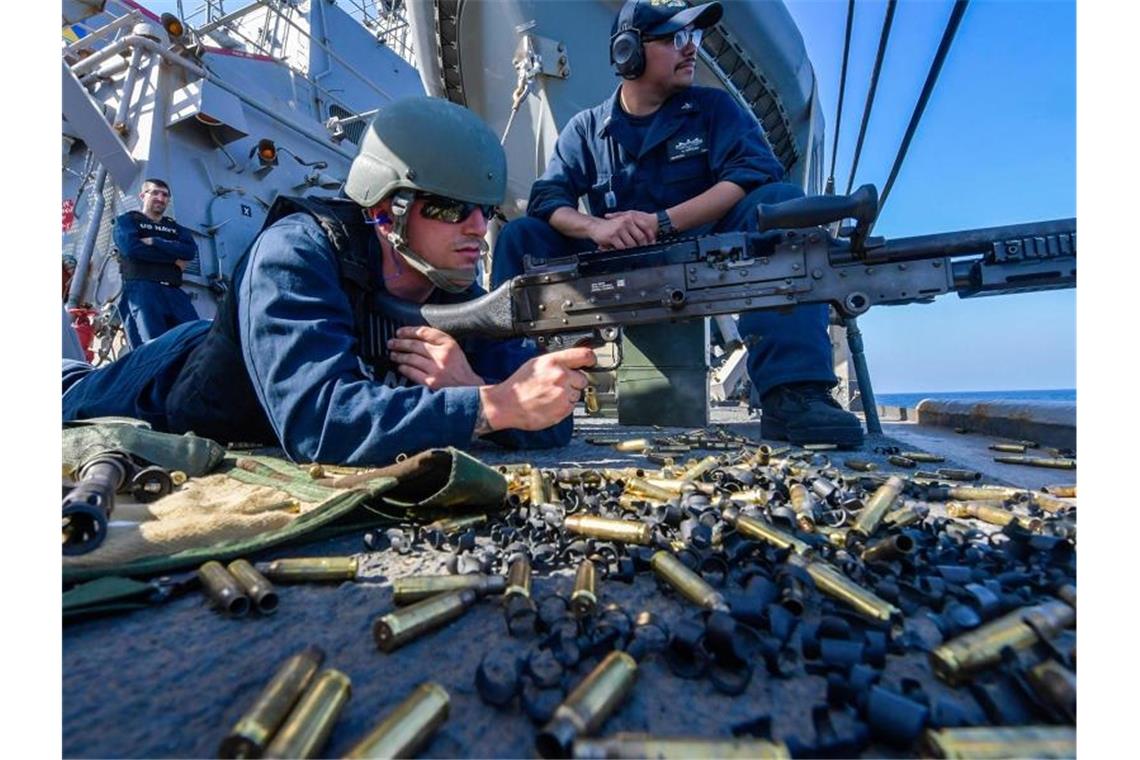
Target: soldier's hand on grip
<point x="540" y="393"/>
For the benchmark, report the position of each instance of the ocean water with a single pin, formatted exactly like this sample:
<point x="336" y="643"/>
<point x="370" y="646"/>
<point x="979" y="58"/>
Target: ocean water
<point x="1068" y="395"/>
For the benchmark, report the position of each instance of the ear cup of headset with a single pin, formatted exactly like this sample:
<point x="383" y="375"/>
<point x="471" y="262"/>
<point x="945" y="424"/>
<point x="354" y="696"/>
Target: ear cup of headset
<point x="627" y="54"/>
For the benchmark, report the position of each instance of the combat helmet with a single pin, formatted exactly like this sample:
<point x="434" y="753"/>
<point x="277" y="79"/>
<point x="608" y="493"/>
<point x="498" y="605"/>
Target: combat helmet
<point x="429" y="145"/>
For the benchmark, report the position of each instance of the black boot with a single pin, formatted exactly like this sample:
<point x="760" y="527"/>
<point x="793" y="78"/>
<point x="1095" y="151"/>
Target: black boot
<point x="807" y="413"/>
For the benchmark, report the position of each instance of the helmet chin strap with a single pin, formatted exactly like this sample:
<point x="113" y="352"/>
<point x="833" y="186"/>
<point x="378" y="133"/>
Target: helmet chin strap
<point x="450" y="280"/>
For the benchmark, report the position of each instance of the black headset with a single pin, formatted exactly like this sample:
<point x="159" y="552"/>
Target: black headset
<point x="627" y="54"/>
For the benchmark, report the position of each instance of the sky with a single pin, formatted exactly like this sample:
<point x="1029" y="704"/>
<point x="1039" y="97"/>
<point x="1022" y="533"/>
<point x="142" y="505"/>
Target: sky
<point x="996" y="145"/>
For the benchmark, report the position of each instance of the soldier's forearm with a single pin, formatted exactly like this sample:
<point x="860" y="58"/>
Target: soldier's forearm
<point x="707" y="207"/>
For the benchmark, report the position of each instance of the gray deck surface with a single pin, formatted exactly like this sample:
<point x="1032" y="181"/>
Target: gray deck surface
<point x="169" y="681"/>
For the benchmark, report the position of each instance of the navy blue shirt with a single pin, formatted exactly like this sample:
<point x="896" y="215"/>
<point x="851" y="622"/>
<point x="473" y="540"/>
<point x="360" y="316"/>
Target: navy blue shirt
<point x="299" y="344"/>
<point x="699" y="137"/>
<point x="170" y="240"/>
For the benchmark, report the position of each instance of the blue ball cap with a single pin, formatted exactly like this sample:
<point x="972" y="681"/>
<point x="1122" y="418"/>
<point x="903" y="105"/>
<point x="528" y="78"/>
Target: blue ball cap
<point x="659" y="17"/>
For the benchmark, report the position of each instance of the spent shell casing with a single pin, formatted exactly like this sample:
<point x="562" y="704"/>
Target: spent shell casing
<point x="989" y="513"/>
<point x="886" y="549"/>
<point x="407" y="623"/>
<point x="255" y="585"/>
<point x="752" y="496"/>
<point x="1056" y="685"/>
<point x="310" y="569"/>
<point x="1051" y="504"/>
<point x="690" y="585"/>
<point x="256" y="727"/>
<point x="413" y="588"/>
<point x="518" y="578"/>
<point x="634" y="445"/>
<point x="983" y="493"/>
<point x="406" y="729"/>
<point x="838" y="586"/>
<point x="309" y="724"/>
<point x="643" y="487"/>
<point x="588" y="706"/>
<point x="761" y="530"/>
<point x="1009" y="448"/>
<point x="632" y="745"/>
<point x="837" y="537"/>
<point x="608" y="529"/>
<point x="1056" y="464"/>
<point x="950" y="473"/>
<point x="456" y="524"/>
<point x="898" y="460"/>
<point x="803" y="504"/>
<point x="878" y="506"/>
<point x="223" y="589"/>
<point x="538" y="489"/>
<point x="708" y="464"/>
<point x="584" y="598"/>
<point x="955" y="660"/>
<point x="922" y="456"/>
<point x="590" y="399"/>
<point x="860" y="465"/>
<point x="1043" y="742"/>
<point x="1065" y="491"/>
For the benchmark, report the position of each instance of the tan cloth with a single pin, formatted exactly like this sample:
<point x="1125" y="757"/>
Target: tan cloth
<point x="202" y="512"/>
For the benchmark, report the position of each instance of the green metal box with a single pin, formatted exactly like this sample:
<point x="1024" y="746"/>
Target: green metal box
<point x="663" y="378"/>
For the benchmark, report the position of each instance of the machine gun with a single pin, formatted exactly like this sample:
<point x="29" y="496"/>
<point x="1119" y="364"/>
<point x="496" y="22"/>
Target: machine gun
<point x="586" y="299"/>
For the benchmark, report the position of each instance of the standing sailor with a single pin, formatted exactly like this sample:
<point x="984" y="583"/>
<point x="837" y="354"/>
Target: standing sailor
<point x="661" y="157"/>
<point x="153" y="252"/>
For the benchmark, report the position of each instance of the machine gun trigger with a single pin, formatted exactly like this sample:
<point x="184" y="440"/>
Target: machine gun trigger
<point x="596" y="338"/>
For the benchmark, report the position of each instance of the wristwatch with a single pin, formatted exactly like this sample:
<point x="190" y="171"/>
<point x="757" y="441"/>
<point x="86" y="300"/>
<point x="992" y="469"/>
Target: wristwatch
<point x="664" y="223"/>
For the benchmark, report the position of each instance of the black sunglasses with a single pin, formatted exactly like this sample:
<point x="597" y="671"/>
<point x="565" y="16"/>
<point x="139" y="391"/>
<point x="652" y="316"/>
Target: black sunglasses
<point x="444" y="209"/>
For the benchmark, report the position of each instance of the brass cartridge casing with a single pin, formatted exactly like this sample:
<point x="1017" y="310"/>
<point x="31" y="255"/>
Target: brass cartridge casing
<point x="922" y="456"/>
<point x="590" y="399"/>
<point x="634" y="445"/>
<point x="644" y="488"/>
<point x="677" y="486"/>
<point x="891" y="547"/>
<point x="900" y="461"/>
<point x="539" y="491"/>
<point x="860" y="465"/>
<point x="518" y="578"/>
<point x="987" y="512"/>
<point x="632" y="745"/>
<point x="1043" y="742"/>
<point x="909" y="513"/>
<point x="690" y="585"/>
<point x="255" y="585"/>
<point x="406" y="729"/>
<point x="407" y="623"/>
<point x="413" y="588"/>
<point x="708" y="464"/>
<point x="837" y="537"/>
<point x="310" y="569"/>
<point x="950" y="473"/>
<point x="1065" y="491"/>
<point x="456" y="524"/>
<point x="630" y="501"/>
<point x="584" y="599"/>
<point x="223" y="589"/>
<point x="836" y="585"/>
<point x="983" y="493"/>
<point x="878" y="505"/>
<point x="955" y="660"/>
<point x="1051" y="504"/>
<point x="761" y="457"/>
<point x="256" y="727"/>
<point x="1009" y="448"/>
<point x="754" y="496"/>
<point x="624" y="531"/>
<point x="309" y="724"/>
<point x="1056" y="464"/>
<point x="588" y="706"/>
<point x="1056" y="685"/>
<point x="803" y="504"/>
<point x="761" y="530"/>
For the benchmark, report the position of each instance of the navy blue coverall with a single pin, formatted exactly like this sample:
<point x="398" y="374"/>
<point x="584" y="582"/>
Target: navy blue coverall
<point x="152" y="300"/>
<point x="698" y="137"/>
<point x="299" y="347"/>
